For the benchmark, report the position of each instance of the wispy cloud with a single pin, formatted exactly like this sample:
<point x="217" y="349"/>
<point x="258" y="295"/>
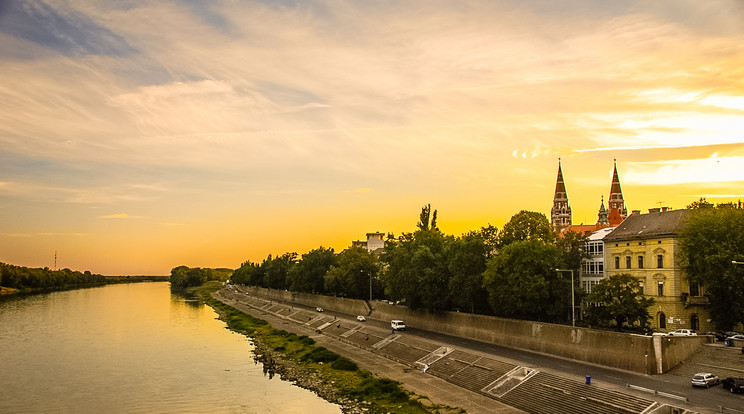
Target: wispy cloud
<point x="240" y="109"/>
<point x="119" y="216"/>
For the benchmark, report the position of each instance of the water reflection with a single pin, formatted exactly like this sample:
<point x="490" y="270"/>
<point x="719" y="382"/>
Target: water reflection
<point x="134" y="349"/>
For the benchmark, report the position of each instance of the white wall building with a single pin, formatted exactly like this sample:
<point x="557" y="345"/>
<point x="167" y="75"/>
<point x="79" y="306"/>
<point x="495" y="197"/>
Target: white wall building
<point x="593" y="268"/>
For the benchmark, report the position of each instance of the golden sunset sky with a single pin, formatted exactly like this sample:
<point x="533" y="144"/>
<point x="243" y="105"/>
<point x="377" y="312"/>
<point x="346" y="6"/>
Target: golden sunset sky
<point x="139" y="136"/>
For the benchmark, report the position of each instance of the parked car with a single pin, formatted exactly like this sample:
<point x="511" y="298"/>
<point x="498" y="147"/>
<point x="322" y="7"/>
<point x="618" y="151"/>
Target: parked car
<point x="704" y="379"/>
<point x="398" y="325"/>
<point x="319" y="309"/>
<point x="682" y="332"/>
<point x="736" y="337"/>
<point x="361" y="318"/>
<point x="735" y="385"/>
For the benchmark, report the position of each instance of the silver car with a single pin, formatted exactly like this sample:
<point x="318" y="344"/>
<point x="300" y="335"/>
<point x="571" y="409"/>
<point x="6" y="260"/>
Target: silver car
<point x="704" y="379"/>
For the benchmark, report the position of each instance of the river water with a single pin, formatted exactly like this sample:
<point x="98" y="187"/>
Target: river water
<point x="133" y="348"/>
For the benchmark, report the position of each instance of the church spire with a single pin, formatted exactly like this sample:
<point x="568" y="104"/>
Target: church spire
<point x="560" y="214"/>
<point x="618" y="212"/>
<point x="603" y="216"/>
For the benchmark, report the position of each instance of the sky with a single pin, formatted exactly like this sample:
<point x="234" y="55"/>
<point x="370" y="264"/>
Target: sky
<point x="139" y="136"/>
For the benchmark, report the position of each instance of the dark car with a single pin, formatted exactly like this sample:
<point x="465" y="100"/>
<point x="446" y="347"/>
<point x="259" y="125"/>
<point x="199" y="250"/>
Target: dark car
<point x="733" y="384"/>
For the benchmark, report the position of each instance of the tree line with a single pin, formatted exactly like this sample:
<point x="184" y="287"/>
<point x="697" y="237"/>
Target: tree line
<point x="427" y="269"/>
<point x="182" y="277"/>
<point x="25" y="278"/>
<point x="512" y="272"/>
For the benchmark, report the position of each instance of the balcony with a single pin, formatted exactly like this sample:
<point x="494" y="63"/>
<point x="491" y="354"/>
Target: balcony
<point x="696" y="300"/>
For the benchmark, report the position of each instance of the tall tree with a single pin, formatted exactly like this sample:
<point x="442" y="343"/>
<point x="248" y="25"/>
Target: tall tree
<point x="276" y="270"/>
<point x="354" y="274"/>
<point x="466" y="261"/>
<point x="417" y="269"/>
<point x="425" y="223"/>
<point x="710" y="241"/>
<point x="522" y="282"/>
<point x="526" y="225"/>
<point x="309" y="273"/>
<point x="619" y="298"/>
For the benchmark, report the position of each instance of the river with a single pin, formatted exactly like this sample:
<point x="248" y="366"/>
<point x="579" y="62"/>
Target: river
<point x="133" y="348"/>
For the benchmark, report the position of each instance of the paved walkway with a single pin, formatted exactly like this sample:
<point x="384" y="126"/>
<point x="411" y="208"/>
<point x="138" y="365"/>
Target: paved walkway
<point x="475" y="381"/>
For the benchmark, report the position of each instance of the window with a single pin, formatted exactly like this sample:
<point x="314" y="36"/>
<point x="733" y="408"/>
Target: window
<point x="660" y="291"/>
<point x="640" y="262"/>
<point x="617" y="262"/>
<point x="627" y="262"/>
<point x="694" y="322"/>
<point x="660" y="261"/>
<point x="662" y="321"/>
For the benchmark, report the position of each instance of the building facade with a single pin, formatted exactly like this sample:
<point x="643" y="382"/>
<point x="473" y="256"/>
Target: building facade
<point x="646" y="246"/>
<point x="593" y="266"/>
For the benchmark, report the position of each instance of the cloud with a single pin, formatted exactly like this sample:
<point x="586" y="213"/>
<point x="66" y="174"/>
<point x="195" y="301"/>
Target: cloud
<point x="119" y="216"/>
<point x="693" y="171"/>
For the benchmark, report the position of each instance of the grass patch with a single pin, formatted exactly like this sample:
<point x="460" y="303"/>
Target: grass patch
<point x="380" y="395"/>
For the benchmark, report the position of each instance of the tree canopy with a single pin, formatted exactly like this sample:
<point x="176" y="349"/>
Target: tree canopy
<point x="526" y="225"/>
<point x="711" y="240"/>
<point x="522" y="282"/>
<point x="619" y="298"/>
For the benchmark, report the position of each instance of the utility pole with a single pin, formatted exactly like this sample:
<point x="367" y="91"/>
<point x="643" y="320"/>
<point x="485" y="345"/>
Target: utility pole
<point x="55" y="260"/>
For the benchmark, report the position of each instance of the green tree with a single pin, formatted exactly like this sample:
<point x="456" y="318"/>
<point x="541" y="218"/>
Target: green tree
<point x="526" y="225"/>
<point x="276" y="270"/>
<point x="427" y="219"/>
<point x="619" y="299"/>
<point x="417" y="270"/>
<point x="351" y="277"/>
<point x="466" y="261"/>
<point x="522" y="282"/>
<point x="710" y="241"/>
<point x="309" y="273"/>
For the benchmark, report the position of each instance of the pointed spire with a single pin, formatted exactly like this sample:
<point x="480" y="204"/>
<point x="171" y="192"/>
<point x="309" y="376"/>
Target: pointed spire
<point x="560" y="214"/>
<point x="603" y="220"/>
<point x="618" y="212"/>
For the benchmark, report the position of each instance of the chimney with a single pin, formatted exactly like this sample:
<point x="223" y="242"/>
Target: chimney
<point x="654" y="210"/>
<point x="636" y="212"/>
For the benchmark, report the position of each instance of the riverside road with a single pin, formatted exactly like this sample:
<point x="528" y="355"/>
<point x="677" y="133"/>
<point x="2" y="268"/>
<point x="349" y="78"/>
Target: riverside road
<point x="364" y="342"/>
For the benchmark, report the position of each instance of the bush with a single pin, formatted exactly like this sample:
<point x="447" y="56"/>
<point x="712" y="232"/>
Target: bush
<point x="374" y="387"/>
<point x="344" y="364"/>
<point x="320" y="354"/>
<point x="306" y="340"/>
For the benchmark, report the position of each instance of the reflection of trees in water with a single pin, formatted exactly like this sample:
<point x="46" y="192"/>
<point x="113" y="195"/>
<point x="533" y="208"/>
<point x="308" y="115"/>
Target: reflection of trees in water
<point x="189" y="298"/>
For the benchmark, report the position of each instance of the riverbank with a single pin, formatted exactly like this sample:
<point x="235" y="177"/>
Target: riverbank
<point x="7" y="292"/>
<point x="333" y="377"/>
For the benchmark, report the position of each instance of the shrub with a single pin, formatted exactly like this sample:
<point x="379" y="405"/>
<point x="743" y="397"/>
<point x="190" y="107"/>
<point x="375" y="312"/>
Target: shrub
<point x="320" y="354"/>
<point x="344" y="364"/>
<point x="306" y="340"/>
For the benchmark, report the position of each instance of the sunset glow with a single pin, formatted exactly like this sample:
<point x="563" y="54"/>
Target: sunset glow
<point x="139" y="136"/>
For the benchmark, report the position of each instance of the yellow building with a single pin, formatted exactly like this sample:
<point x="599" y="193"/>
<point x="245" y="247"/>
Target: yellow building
<point x="646" y="246"/>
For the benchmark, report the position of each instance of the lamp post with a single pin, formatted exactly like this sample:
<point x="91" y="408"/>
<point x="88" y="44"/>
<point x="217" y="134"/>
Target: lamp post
<point x="573" y="301"/>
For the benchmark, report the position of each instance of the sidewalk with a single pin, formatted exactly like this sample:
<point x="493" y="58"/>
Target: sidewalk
<point x="435" y="389"/>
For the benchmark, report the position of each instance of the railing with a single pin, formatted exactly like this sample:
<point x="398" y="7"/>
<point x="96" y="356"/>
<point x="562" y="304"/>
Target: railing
<point x="682" y="398"/>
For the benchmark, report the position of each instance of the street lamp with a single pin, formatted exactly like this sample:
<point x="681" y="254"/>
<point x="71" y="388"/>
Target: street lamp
<point x="573" y="301"/>
<point x="735" y="262"/>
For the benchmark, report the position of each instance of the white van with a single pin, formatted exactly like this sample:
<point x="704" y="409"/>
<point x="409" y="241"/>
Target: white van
<point x="398" y="325"/>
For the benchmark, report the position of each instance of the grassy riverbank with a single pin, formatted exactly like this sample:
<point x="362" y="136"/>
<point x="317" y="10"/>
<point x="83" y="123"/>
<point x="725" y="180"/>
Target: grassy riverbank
<point x="377" y="395"/>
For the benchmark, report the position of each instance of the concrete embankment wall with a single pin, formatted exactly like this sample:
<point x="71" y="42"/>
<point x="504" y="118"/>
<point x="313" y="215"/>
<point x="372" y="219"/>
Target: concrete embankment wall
<point x="350" y="306"/>
<point x="630" y="352"/>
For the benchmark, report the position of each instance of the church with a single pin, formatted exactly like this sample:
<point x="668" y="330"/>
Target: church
<point x="560" y="214"/>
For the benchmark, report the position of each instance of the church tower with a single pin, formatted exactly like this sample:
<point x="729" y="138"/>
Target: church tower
<point x="560" y="214"/>
<point x="618" y="212"/>
<point x="603" y="219"/>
